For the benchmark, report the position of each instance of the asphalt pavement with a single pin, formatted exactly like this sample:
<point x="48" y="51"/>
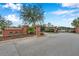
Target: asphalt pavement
<point x="56" y="44"/>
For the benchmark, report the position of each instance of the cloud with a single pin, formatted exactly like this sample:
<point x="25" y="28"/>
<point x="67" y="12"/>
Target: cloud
<point x="12" y="6"/>
<point x="12" y="17"/>
<point x="61" y="12"/>
<point x="75" y="7"/>
<point x="70" y="5"/>
<point x="15" y="19"/>
<point x="67" y="21"/>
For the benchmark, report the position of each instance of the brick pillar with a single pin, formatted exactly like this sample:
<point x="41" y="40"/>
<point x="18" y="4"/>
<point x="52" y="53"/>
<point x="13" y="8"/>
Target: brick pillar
<point x="25" y="29"/>
<point x="5" y="35"/>
<point x="77" y="29"/>
<point x="38" y="30"/>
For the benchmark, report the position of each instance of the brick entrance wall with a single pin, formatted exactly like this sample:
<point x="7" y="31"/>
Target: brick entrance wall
<point x="13" y="32"/>
<point x="25" y="29"/>
<point x="10" y="32"/>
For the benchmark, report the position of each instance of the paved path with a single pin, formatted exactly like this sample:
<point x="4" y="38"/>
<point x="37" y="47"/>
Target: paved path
<point x="61" y="44"/>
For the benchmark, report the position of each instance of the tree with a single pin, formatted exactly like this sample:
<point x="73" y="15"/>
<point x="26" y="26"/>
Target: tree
<point x="4" y="23"/>
<point x="75" y="22"/>
<point x="8" y="23"/>
<point x="32" y="14"/>
<point x="49" y="25"/>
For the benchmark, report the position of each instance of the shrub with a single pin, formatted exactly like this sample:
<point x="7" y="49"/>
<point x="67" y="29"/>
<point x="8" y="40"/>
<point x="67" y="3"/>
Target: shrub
<point x="42" y="28"/>
<point x="0" y="32"/>
<point x="31" y="30"/>
<point x="49" y="30"/>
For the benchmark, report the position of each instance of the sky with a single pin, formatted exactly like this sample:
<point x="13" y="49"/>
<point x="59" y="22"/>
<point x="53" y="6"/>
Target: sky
<point x="58" y="14"/>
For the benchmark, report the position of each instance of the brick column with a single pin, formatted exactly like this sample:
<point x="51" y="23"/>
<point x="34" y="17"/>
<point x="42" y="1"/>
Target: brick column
<point x="25" y="29"/>
<point x="38" y="30"/>
<point x="77" y="29"/>
<point x="5" y="35"/>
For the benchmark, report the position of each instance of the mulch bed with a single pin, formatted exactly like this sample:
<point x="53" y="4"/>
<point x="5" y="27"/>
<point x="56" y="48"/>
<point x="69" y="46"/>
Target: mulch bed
<point x="19" y="36"/>
<point x="16" y="36"/>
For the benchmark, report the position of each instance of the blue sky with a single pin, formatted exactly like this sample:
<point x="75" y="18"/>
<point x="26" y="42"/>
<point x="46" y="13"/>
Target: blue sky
<point x="58" y="14"/>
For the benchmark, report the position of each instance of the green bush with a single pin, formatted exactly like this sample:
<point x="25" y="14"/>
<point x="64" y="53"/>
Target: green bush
<point x="42" y="28"/>
<point x="0" y="32"/>
<point x="31" y="30"/>
<point x="49" y="30"/>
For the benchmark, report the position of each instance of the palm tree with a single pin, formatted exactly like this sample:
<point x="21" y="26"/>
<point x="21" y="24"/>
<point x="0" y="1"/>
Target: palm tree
<point x="75" y="22"/>
<point x="32" y="14"/>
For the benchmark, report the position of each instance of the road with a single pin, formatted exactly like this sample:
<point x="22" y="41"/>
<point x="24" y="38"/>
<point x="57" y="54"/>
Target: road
<point x="60" y="44"/>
